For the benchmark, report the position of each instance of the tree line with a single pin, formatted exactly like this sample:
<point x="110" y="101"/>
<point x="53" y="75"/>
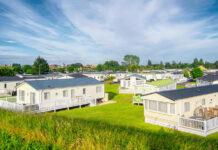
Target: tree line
<point x="130" y="63"/>
<point x="40" y="66"/>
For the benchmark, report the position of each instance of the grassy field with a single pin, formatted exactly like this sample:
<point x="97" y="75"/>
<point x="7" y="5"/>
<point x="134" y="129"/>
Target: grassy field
<point x="180" y="86"/>
<point x="161" y="82"/>
<point x="114" y="126"/>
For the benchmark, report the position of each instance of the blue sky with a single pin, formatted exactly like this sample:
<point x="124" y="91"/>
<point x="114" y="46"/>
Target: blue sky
<point x="93" y="31"/>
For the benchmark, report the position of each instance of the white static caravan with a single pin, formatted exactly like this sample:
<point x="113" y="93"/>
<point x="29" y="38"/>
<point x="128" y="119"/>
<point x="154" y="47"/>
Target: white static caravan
<point x="65" y="92"/>
<point x="193" y="110"/>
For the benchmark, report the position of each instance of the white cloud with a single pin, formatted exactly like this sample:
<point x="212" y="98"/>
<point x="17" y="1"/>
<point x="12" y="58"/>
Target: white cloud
<point x="95" y="31"/>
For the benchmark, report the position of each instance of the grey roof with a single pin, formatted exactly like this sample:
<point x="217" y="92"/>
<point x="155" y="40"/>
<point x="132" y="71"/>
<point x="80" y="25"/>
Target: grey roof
<point x="209" y="77"/>
<point x="177" y="72"/>
<point x="135" y="75"/>
<point x="10" y="78"/>
<point x="62" y="83"/>
<point x="77" y="75"/>
<point x="189" y="92"/>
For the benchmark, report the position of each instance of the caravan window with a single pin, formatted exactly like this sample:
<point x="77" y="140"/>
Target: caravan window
<point x="98" y="89"/>
<point x="65" y="93"/>
<point x="186" y="106"/>
<point x="72" y="93"/>
<point x="32" y="98"/>
<point x="5" y="86"/>
<point x="203" y="101"/>
<point x="172" y="108"/>
<point x="153" y="105"/>
<point x="46" y="96"/>
<point x="162" y="107"/>
<point x="84" y="91"/>
<point x="21" y="95"/>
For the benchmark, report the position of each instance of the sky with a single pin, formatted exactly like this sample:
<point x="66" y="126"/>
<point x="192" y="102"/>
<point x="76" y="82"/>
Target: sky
<point x="94" y="31"/>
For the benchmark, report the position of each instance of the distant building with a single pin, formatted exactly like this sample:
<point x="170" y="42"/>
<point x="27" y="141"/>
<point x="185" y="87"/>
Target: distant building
<point x="208" y="79"/>
<point x="8" y="84"/>
<point x="53" y="67"/>
<point x="128" y="83"/>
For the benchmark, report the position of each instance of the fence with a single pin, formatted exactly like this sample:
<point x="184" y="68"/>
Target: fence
<point x="10" y="105"/>
<point x="199" y="127"/>
<point x="9" y="99"/>
<point x="48" y="106"/>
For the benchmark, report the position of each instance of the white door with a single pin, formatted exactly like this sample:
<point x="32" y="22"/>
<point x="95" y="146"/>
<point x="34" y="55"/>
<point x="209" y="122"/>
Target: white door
<point x="32" y="98"/>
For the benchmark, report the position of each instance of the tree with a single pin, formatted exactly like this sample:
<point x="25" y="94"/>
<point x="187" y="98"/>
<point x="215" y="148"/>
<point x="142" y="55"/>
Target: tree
<point x="13" y="65"/>
<point x="201" y="62"/>
<point x="122" y="68"/>
<point x="149" y="62"/>
<point x="207" y="65"/>
<point x="130" y="60"/>
<point x="99" y="67"/>
<point x="216" y="64"/>
<point x="174" y="64"/>
<point x="168" y="65"/>
<point x="5" y="71"/>
<point x="196" y="72"/>
<point x="26" y="67"/>
<point x="195" y="63"/>
<point x="29" y="71"/>
<point x="133" y="67"/>
<point x="186" y="71"/>
<point x="17" y="69"/>
<point x="40" y="66"/>
<point x="61" y="70"/>
<point x="70" y="69"/>
<point x="112" y="65"/>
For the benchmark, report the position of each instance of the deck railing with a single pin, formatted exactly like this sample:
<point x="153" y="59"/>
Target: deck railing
<point x="49" y="105"/>
<point x="8" y="105"/>
<point x="192" y="123"/>
<point x="201" y="127"/>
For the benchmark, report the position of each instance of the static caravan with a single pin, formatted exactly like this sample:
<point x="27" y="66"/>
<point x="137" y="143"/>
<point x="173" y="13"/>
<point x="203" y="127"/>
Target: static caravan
<point x="193" y="110"/>
<point x="60" y="93"/>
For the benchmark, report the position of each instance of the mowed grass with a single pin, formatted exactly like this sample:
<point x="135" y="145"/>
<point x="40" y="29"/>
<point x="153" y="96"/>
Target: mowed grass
<point x="180" y="86"/>
<point x="120" y="113"/>
<point x="161" y="82"/>
<point x="113" y="126"/>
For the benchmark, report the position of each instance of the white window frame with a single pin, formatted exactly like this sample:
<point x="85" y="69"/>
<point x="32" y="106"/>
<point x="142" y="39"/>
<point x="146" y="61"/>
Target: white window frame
<point x="72" y="91"/>
<point x="84" y="91"/>
<point x="153" y="101"/>
<point x="65" y="93"/>
<point x="172" y="108"/>
<point x="203" y="102"/>
<point x="22" y="96"/>
<point x="98" y="89"/>
<point x="161" y="109"/>
<point x="32" y="98"/>
<point x="186" y="106"/>
<point x="47" y="96"/>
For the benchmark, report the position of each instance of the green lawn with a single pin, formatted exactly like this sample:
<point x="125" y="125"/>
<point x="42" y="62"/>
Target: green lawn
<point x="180" y="86"/>
<point x="114" y="126"/>
<point x="160" y="82"/>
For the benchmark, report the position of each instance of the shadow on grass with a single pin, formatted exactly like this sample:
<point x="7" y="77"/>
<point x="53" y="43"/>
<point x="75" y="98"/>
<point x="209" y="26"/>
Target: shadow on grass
<point x="111" y="95"/>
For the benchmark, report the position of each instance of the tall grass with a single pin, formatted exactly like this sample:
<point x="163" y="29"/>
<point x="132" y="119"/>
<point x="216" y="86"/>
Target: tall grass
<point x="53" y="132"/>
<point x="8" y="142"/>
